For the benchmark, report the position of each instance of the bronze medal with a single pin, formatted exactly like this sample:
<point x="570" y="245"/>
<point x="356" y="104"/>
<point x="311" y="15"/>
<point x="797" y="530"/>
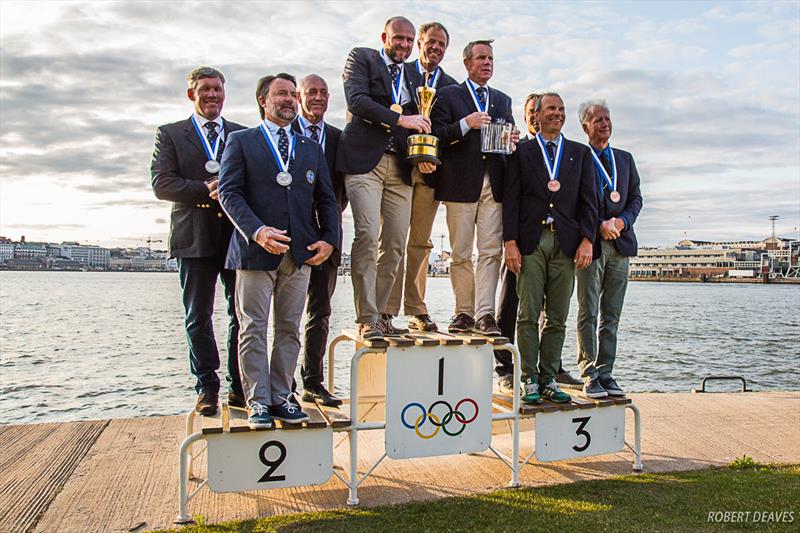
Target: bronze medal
<point x="554" y="185"/>
<point x="614" y="196"/>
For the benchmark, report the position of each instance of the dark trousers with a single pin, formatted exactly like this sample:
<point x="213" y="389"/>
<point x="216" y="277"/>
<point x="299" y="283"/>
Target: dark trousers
<point x="198" y="282"/>
<point x="507" y="310"/>
<point x="318" y="309"/>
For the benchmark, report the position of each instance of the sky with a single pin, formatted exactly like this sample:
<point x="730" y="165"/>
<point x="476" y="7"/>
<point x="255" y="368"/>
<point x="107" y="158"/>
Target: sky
<point x="706" y="95"/>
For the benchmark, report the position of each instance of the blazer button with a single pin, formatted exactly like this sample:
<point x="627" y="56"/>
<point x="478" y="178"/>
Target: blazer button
<point x="483" y="157"/>
<point x="219" y="215"/>
<point x="551" y="205"/>
<point x="288" y="187"/>
<point x="543" y="222"/>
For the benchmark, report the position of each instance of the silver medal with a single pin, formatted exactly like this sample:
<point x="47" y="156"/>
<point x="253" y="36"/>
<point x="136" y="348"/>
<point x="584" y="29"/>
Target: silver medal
<point x="212" y="166"/>
<point x="284" y="178"/>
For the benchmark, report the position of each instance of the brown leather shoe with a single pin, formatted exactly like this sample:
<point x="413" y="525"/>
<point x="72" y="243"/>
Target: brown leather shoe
<point x="488" y="326"/>
<point x="391" y="329"/>
<point x="206" y="403"/>
<point x="372" y="330"/>
<point x="461" y="323"/>
<point x="422" y="323"/>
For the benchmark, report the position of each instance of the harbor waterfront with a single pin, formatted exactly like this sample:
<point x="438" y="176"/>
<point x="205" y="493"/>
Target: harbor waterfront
<point x="91" y="345"/>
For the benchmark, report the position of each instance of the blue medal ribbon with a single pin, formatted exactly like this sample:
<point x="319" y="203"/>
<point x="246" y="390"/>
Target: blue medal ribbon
<point x="432" y="80"/>
<point x="610" y="180"/>
<point x="552" y="170"/>
<point x="211" y="151"/>
<point x="396" y="90"/>
<point x="283" y="165"/>
<point x="474" y="95"/>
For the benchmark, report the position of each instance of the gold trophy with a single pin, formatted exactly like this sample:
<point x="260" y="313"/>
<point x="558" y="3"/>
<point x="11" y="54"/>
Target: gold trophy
<point x="423" y="146"/>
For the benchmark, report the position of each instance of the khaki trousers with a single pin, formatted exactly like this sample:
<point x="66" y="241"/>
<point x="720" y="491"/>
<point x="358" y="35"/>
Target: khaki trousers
<point x="475" y="288"/>
<point x="412" y="279"/>
<point x="381" y="204"/>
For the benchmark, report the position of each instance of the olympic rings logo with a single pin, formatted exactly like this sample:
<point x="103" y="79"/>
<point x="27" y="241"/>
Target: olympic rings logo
<point x="437" y="422"/>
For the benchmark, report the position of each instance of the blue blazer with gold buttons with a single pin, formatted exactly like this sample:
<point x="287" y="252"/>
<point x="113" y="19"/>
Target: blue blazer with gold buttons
<point x="252" y="197"/>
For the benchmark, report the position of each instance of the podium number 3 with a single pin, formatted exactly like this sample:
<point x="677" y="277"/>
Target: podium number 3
<point x="581" y="431"/>
<point x="273" y="465"/>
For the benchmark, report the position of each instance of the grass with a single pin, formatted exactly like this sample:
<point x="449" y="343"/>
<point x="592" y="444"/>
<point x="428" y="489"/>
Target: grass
<point x="646" y="502"/>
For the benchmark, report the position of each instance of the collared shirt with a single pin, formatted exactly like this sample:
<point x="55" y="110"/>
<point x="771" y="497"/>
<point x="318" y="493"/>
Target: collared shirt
<point x="304" y="123"/>
<point x="404" y="96"/>
<point x="201" y="123"/>
<point x="556" y="143"/>
<point x="463" y="121"/>
<point x="436" y="74"/>
<point x="273" y="128"/>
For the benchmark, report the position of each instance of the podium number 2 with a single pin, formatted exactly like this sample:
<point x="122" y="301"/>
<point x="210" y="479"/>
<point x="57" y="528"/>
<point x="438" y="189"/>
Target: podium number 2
<point x="582" y="432"/>
<point x="273" y="465"/>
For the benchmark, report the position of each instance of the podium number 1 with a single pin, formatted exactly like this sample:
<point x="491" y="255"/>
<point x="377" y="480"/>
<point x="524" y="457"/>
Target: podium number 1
<point x="273" y="465"/>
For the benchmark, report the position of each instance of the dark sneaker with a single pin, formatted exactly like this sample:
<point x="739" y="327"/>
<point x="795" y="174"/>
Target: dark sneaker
<point x="206" y="403"/>
<point x="288" y="412"/>
<point x="461" y="323"/>
<point x="505" y="385"/>
<point x="235" y="400"/>
<point x="553" y="393"/>
<point x="566" y="380"/>
<point x="610" y="385"/>
<point x="530" y="392"/>
<point x="259" y="417"/>
<point x="371" y="330"/>
<point x="488" y="326"/>
<point x="593" y="389"/>
<point x="320" y="394"/>
<point x="391" y="329"/>
<point x="422" y="323"/>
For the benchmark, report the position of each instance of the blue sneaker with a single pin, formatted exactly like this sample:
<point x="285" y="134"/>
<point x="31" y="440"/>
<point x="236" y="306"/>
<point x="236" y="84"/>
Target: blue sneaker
<point x="288" y="411"/>
<point x="259" y="417"/>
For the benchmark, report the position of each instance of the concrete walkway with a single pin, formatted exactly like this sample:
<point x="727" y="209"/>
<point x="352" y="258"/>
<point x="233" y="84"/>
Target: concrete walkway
<point x="122" y="475"/>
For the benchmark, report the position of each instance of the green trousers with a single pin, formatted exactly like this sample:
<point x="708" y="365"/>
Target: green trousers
<point x="546" y="280"/>
<point x="601" y="287"/>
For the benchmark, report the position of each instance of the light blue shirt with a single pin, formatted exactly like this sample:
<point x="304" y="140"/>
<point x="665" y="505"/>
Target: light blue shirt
<point x="305" y="123"/>
<point x="273" y="128"/>
<point x="463" y="121"/>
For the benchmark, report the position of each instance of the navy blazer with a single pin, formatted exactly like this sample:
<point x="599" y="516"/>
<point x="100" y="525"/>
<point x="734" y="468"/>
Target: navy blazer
<point x="332" y="134"/>
<point x="198" y="227"/>
<point x="460" y="176"/>
<point x="527" y="200"/>
<point x="252" y="198"/>
<point x="629" y="205"/>
<point x="370" y="122"/>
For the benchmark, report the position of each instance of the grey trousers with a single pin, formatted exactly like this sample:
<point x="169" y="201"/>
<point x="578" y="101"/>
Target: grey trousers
<point x="601" y="286"/>
<point x="267" y="376"/>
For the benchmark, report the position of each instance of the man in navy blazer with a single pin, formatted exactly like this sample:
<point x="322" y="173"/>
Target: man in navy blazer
<point x="276" y="189"/>
<point x="411" y="280"/>
<point x="372" y="155"/>
<point x="470" y="183"/>
<point x="602" y="285"/>
<point x="313" y="95"/>
<point x="549" y="225"/>
<point x="184" y="171"/>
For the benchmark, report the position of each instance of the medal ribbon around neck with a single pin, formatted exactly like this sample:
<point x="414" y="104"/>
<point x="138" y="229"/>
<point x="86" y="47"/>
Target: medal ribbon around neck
<point x="474" y="95"/>
<point x="211" y="151"/>
<point x="432" y="80"/>
<point x="321" y="131"/>
<point x="610" y="180"/>
<point x="396" y="88"/>
<point x="282" y="165"/>
<point x="552" y="170"/>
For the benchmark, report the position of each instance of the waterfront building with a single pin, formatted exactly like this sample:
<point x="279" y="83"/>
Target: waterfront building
<point x="29" y="250"/>
<point x="6" y="250"/>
